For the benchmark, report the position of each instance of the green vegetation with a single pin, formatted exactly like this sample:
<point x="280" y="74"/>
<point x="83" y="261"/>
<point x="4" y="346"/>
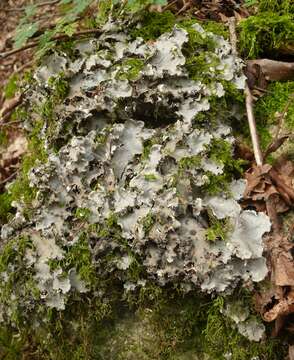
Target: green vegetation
<point x="221" y="152"/>
<point x="148" y="222"/>
<point x="218" y="228"/>
<point x="11" y="87"/>
<point x="20" y="190"/>
<point x="189" y="163"/>
<point x="82" y="213"/>
<point x="265" y="33"/>
<point x="278" y="99"/>
<point x="154" y="24"/>
<point x="150" y="177"/>
<point x="130" y="69"/>
<point x="59" y="88"/>
<point x="277" y="6"/>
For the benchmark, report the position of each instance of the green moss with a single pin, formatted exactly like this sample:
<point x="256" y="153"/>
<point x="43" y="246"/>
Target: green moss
<point x="83" y="213"/>
<point x="276" y="6"/>
<point x="148" y="222"/>
<point x="14" y="299"/>
<point x="46" y="109"/>
<point x="147" y="149"/>
<point x="59" y="88"/>
<point x="265" y="33"/>
<point x="190" y="162"/>
<point x="130" y="69"/>
<point x="153" y="24"/>
<point x="3" y="138"/>
<point x="278" y="96"/>
<point x="5" y="207"/>
<point x="267" y="110"/>
<point x="104" y="10"/>
<point x="221" y="338"/>
<point x="11" y="86"/>
<point x="221" y="152"/>
<point x="79" y="256"/>
<point x="150" y="177"/>
<point x="20" y="189"/>
<point x="218" y="228"/>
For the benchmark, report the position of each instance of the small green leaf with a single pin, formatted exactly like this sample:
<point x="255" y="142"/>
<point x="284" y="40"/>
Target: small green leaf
<point x="23" y="33"/>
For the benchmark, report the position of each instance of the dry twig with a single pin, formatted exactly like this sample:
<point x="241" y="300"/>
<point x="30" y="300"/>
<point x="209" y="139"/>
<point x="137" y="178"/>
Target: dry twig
<point x="249" y="99"/>
<point x="54" y="38"/>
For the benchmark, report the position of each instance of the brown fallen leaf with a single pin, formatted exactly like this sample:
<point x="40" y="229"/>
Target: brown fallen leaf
<point x="284" y="269"/>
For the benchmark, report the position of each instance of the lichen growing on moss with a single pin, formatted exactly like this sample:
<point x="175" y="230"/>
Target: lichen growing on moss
<point x="119" y="215"/>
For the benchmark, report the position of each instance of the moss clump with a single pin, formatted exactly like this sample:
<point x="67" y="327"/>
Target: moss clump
<point x="279" y="96"/>
<point x="3" y="138"/>
<point x="268" y="108"/>
<point x="20" y="190"/>
<point x="14" y="299"/>
<point x="5" y="207"/>
<point x="59" y="88"/>
<point x="276" y="6"/>
<point x="189" y="163"/>
<point x="218" y="228"/>
<point x="150" y="177"/>
<point x="221" y="339"/>
<point x="153" y="24"/>
<point x="82" y="213"/>
<point x="221" y="152"/>
<point x="11" y="87"/>
<point x="130" y="69"/>
<point x="265" y="33"/>
<point x="148" y="222"/>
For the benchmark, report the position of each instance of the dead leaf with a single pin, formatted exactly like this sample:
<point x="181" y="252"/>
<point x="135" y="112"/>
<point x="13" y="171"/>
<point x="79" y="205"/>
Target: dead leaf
<point x="284" y="269"/>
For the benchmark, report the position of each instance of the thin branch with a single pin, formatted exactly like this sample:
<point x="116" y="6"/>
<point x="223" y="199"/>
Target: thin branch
<point x="24" y="66"/>
<point x="233" y="36"/>
<point x="249" y="99"/>
<point x="252" y="126"/>
<point x="57" y="37"/>
<point x="169" y="5"/>
<point x="10" y="123"/>
<point x="10" y="177"/>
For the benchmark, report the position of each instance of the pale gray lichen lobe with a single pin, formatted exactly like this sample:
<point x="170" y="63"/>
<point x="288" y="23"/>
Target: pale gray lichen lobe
<point x="126" y="127"/>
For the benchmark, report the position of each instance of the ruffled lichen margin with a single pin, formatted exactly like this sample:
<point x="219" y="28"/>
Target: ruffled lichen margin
<point x="128" y="241"/>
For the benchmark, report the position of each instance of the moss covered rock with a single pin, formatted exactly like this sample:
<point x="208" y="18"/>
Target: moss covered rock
<point x="134" y="245"/>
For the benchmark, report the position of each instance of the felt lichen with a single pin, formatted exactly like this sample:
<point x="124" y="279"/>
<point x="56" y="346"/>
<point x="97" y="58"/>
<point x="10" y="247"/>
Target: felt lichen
<point x="120" y="214"/>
